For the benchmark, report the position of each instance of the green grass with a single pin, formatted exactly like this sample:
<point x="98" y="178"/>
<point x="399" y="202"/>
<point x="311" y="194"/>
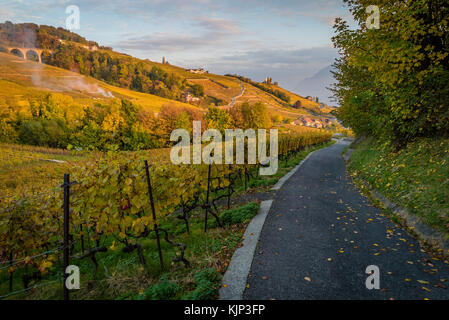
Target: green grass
<point x="415" y="178"/>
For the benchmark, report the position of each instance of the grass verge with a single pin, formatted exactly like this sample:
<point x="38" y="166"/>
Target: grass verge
<point x="415" y="178"/>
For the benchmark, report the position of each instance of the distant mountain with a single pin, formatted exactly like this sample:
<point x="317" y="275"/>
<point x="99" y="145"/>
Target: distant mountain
<point x="315" y="86"/>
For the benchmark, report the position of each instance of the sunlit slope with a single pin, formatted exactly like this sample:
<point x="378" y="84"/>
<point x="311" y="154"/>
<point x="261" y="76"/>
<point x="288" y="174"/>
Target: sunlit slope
<point x="226" y="88"/>
<point x="218" y="89"/>
<point x="305" y="103"/>
<point x="19" y="78"/>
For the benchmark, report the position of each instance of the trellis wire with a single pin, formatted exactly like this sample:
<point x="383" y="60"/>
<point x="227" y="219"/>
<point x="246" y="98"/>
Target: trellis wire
<point x="39" y="285"/>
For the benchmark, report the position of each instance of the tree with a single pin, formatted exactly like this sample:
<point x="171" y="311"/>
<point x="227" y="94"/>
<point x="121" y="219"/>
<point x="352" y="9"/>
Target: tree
<point x="197" y="90"/>
<point x="277" y="118"/>
<point x="255" y="116"/>
<point x="297" y="104"/>
<point x="393" y="82"/>
<point x="217" y="119"/>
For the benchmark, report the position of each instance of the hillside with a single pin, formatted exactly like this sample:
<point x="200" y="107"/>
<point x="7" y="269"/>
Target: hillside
<point x="123" y="76"/>
<point x="306" y="104"/>
<point x="21" y="78"/>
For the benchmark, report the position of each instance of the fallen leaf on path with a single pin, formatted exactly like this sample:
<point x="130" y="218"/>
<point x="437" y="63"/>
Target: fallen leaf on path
<point x="423" y="281"/>
<point x="307" y="279"/>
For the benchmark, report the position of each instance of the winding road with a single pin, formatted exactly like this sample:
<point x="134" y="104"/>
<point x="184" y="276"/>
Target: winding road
<point x="237" y="96"/>
<point x="321" y="234"/>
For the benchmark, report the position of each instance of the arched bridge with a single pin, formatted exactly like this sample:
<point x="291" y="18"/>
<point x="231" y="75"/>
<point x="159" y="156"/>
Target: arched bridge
<point x="27" y="53"/>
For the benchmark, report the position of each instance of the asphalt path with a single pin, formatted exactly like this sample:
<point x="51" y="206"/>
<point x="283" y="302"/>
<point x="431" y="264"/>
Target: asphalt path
<point x="321" y="234"/>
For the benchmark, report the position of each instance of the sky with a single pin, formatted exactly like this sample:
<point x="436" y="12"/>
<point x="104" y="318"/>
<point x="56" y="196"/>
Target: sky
<point x="287" y="40"/>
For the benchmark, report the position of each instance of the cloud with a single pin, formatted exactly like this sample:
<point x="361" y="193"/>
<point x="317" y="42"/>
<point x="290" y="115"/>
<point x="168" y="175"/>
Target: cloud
<point x="211" y="31"/>
<point x="279" y="59"/>
<point x="155" y="10"/>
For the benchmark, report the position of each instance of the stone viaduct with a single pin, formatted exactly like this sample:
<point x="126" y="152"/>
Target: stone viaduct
<point x="26" y="52"/>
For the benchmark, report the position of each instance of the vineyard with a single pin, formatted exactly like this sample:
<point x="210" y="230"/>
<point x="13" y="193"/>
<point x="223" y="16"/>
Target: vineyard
<point x="114" y="202"/>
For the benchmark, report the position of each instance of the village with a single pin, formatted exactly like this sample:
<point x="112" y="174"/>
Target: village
<point x="313" y="123"/>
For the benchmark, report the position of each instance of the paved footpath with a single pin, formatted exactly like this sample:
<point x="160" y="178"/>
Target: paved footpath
<point x="321" y="234"/>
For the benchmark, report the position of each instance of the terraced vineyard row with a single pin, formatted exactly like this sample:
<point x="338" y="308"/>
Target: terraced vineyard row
<point x="110" y="205"/>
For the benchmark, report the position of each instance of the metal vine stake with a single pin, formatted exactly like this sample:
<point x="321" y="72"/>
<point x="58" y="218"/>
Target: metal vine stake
<point x="181" y="246"/>
<point x="207" y="205"/>
<point x="66" y="186"/>
<point x="153" y="211"/>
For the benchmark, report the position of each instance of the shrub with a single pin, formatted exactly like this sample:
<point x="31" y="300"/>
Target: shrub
<point x="207" y="282"/>
<point x="240" y="214"/>
<point x="162" y="291"/>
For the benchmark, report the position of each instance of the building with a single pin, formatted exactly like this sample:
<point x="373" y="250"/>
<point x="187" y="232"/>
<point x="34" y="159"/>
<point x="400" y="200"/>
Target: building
<point x="188" y="98"/>
<point x="304" y="121"/>
<point x="309" y="122"/>
<point x="268" y="80"/>
<point x="317" y="124"/>
<point x="197" y="71"/>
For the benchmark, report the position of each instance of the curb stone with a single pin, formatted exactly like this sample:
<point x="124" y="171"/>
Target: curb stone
<point x="237" y="273"/>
